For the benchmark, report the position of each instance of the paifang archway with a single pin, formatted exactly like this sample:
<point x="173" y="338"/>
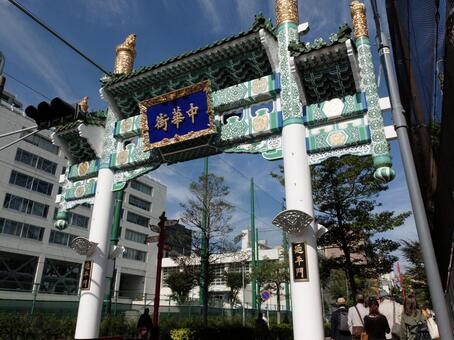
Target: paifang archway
<point x="260" y="91"/>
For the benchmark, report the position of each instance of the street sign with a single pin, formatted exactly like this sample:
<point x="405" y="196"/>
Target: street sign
<point x="155" y="228"/>
<point x="151" y="239"/>
<point x="86" y="275"/>
<point x="170" y="223"/>
<point x="265" y="295"/>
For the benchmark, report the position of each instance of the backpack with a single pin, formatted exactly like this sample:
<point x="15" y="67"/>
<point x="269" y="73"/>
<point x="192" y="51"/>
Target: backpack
<point x="422" y="332"/>
<point x="342" y="322"/>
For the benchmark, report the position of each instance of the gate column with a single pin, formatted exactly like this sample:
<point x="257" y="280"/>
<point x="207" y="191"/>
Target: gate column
<point x="306" y="298"/>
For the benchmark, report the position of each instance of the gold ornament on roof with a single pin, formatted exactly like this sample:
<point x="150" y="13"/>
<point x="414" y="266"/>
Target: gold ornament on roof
<point x="125" y="55"/>
<point x="286" y="11"/>
<point x="83" y="104"/>
<point x="359" y="19"/>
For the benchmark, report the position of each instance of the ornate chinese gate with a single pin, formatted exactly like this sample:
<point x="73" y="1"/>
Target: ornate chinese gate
<point x="261" y="91"/>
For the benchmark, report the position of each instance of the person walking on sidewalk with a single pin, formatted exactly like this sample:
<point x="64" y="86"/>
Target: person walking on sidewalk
<point x="356" y="316"/>
<point x="375" y="324"/>
<point x="339" y="321"/>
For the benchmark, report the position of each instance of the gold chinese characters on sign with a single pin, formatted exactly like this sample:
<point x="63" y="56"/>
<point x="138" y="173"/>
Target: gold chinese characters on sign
<point x="299" y="260"/>
<point x="86" y="275"/>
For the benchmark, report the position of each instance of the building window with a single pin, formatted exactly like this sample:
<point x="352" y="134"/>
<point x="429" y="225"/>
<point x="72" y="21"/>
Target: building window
<point x="57" y="237"/>
<point x="20" y="229"/>
<point x="137" y="219"/>
<point x="139" y="203"/>
<point x="36" y="161"/>
<point x="135" y="236"/>
<point x="60" y="277"/>
<point x="134" y="254"/>
<point x="75" y="220"/>
<point x="218" y="274"/>
<point x="17" y="271"/>
<point x="41" y="142"/>
<point x="30" y="183"/>
<point x="63" y="170"/>
<point x="25" y="205"/>
<point x="146" y="189"/>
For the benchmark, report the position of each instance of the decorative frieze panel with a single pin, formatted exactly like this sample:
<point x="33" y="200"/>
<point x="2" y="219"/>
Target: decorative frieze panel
<point x="132" y="154"/>
<point x="83" y="170"/>
<point x="81" y="189"/>
<point x="246" y="93"/>
<point x="335" y="109"/>
<point x="256" y="120"/>
<point x="338" y="135"/>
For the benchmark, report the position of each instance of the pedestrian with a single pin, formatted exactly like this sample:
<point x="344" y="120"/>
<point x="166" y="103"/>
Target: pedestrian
<point x="356" y="316"/>
<point x="144" y="324"/>
<point x="339" y="321"/>
<point x="392" y="310"/>
<point x="375" y="324"/>
<point x="412" y="320"/>
<point x="261" y="328"/>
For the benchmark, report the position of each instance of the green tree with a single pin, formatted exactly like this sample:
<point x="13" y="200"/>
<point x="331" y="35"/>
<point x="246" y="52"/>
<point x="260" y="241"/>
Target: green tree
<point x="415" y="275"/>
<point x="234" y="280"/>
<point x="181" y="284"/>
<point x="208" y="202"/>
<point x="344" y="193"/>
<point x="271" y="275"/>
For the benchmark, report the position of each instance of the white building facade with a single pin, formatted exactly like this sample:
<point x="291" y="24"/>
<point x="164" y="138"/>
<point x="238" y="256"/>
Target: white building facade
<point x="35" y="257"/>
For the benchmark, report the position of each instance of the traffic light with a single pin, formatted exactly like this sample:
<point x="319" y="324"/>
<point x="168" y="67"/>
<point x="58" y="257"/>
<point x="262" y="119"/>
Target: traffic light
<point x="56" y="113"/>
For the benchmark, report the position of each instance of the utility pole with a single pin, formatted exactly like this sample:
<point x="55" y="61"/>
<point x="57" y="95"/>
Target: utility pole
<point x="157" y="290"/>
<point x="203" y="298"/>
<point x="253" y="247"/>
<point x="419" y="212"/>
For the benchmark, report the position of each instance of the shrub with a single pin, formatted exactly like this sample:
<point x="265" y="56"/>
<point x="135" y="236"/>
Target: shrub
<point x="181" y="334"/>
<point x="281" y="332"/>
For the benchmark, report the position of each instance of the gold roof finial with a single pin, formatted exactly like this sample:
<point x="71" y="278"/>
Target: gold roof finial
<point x="83" y="104"/>
<point x="359" y="19"/>
<point x="125" y="55"/>
<point x="286" y="11"/>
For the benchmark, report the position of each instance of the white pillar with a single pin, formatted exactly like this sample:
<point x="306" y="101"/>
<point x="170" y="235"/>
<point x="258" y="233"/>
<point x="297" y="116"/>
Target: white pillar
<point x="306" y="299"/>
<point x="91" y="301"/>
<point x="38" y="273"/>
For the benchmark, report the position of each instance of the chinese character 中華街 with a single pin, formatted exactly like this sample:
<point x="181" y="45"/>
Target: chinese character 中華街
<point x="177" y="117"/>
<point x="192" y="112"/>
<point x="161" y="122"/>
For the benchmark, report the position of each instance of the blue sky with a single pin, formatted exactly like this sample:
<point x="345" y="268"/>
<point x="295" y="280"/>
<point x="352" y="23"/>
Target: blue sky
<point x="165" y="28"/>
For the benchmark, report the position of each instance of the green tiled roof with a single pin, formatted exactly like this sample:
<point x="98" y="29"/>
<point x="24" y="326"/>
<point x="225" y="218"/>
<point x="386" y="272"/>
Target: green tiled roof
<point x="92" y="118"/>
<point x="227" y="62"/>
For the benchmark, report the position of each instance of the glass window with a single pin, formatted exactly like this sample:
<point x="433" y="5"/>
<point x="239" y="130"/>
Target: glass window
<point x="24" y="205"/>
<point x="41" y="142"/>
<point x="20" y="229"/>
<point x="78" y="220"/>
<point x="218" y="273"/>
<point x="36" y="161"/>
<point x="137" y="219"/>
<point x="135" y="236"/>
<point x="146" y="189"/>
<point x="60" y="277"/>
<point x="139" y="203"/>
<point x="134" y="254"/>
<point x="17" y="271"/>
<point x="58" y="237"/>
<point x="31" y="183"/>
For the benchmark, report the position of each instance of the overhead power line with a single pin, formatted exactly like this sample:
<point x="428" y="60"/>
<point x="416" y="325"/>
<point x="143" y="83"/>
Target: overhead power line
<point x="25" y="85"/>
<point x="58" y="36"/>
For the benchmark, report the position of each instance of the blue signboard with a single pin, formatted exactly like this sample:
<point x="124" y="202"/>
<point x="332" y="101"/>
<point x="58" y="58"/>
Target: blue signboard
<point x="177" y="116"/>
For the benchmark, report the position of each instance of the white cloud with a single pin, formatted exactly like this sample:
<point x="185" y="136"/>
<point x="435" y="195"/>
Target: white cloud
<point x="110" y="12"/>
<point x="38" y="54"/>
<point x="245" y="10"/>
<point x="211" y="13"/>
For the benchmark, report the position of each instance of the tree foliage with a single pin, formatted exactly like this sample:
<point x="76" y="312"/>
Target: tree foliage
<point x="180" y="283"/>
<point x="208" y="213"/>
<point x="415" y="275"/>
<point x="234" y="280"/>
<point x="271" y="275"/>
<point x="344" y="193"/>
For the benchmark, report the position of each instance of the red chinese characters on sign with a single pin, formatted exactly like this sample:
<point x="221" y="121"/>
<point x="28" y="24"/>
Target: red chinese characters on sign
<point x="86" y="275"/>
<point x="299" y="262"/>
